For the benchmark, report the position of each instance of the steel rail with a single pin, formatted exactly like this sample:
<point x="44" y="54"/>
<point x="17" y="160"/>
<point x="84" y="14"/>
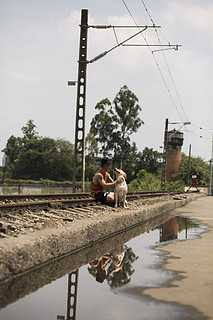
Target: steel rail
<point x="4" y="197"/>
<point x="8" y="197"/>
<point x="68" y="199"/>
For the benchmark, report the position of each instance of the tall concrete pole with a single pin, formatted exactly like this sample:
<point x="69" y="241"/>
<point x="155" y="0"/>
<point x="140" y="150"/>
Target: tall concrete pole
<point x="79" y="153"/>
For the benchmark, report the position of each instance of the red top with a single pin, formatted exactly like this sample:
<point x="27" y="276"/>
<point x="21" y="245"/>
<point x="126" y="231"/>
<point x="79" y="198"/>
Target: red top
<point x="96" y="188"/>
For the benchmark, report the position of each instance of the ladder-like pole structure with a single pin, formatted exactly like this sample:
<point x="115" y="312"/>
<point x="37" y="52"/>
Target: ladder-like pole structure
<point x="72" y="295"/>
<point x="79" y="152"/>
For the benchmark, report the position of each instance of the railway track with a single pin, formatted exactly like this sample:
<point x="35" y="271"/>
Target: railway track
<point x="9" y="200"/>
<point x="20" y="214"/>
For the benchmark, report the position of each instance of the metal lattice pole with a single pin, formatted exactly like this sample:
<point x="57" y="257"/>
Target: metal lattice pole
<point x="72" y="295"/>
<point x="79" y="154"/>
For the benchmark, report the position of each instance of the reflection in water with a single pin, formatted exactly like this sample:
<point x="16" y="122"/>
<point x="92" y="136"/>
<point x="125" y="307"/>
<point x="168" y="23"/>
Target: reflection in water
<point x="169" y="230"/>
<point x="115" y="266"/>
<point x="98" y="265"/>
<point x="118" y="268"/>
<point x="71" y="297"/>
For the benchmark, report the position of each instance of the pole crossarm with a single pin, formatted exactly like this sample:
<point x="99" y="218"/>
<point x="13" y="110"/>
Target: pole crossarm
<point x="102" y="26"/>
<point x="152" y="45"/>
<point x="171" y="46"/>
<point x="118" y="45"/>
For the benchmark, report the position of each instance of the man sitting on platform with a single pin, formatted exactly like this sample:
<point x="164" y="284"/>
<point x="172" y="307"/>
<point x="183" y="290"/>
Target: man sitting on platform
<point x="102" y="180"/>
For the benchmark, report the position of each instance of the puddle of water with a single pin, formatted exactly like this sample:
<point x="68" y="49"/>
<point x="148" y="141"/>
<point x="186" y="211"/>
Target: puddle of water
<point x="117" y="291"/>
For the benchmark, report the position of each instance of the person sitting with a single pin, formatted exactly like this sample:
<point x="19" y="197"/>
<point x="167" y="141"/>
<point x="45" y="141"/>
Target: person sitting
<point x="102" y="180"/>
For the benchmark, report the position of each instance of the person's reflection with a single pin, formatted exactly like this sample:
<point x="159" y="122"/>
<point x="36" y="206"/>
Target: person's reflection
<point x="99" y="265"/>
<point x="111" y="261"/>
<point x="117" y="256"/>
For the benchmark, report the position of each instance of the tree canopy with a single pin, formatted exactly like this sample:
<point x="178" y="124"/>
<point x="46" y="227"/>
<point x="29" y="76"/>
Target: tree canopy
<point x="114" y="123"/>
<point x="35" y="157"/>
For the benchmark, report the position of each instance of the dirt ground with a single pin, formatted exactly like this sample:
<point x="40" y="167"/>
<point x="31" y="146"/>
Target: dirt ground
<point x="193" y="260"/>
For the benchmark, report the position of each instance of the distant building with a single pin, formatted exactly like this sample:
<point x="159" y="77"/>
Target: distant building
<point x="173" y="153"/>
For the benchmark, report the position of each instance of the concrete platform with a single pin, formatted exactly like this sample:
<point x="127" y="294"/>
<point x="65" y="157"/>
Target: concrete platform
<point x="193" y="261"/>
<point x="22" y="254"/>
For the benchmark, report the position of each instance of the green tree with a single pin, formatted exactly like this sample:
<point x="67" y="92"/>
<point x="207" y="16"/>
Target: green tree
<point x="91" y="155"/>
<point x="29" y="131"/>
<point x="103" y="127"/>
<point x="149" y="160"/>
<point x="61" y="161"/>
<point x="35" y="157"/>
<point x="131" y="161"/>
<point x="198" y="167"/>
<point x="145" y="181"/>
<point x="12" y="148"/>
<point x="127" y="116"/>
<point x="32" y="161"/>
<point x="114" y="123"/>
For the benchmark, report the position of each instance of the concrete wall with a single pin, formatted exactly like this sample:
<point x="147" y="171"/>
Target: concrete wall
<point x="35" y="189"/>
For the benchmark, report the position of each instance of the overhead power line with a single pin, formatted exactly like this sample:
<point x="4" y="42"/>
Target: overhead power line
<point x="157" y="64"/>
<point x="167" y="65"/>
<point x="202" y="133"/>
<point x="201" y="128"/>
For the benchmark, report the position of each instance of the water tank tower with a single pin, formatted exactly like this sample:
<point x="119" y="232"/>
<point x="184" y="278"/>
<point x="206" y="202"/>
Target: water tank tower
<point x="173" y="153"/>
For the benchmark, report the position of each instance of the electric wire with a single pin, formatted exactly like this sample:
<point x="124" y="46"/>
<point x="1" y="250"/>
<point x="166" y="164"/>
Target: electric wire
<point x="203" y="136"/>
<point x="201" y="128"/>
<point x="157" y="64"/>
<point x="167" y="65"/>
<point x="162" y="76"/>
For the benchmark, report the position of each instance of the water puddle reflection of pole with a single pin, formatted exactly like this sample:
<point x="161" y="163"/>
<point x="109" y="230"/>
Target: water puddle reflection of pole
<point x="71" y="297"/>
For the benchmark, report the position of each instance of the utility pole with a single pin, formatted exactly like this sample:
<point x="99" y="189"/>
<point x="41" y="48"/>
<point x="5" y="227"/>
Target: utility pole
<point x="79" y="153"/>
<point x="163" y="178"/>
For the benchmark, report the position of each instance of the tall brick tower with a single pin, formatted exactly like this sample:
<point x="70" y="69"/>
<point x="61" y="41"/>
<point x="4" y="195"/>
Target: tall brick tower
<point x="173" y="153"/>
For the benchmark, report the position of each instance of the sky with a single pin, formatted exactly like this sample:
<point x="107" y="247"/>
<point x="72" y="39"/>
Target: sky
<point x="39" y="48"/>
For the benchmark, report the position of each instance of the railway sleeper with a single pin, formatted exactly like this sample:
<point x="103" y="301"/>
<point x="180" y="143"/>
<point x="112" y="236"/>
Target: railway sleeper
<point x="58" y="216"/>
